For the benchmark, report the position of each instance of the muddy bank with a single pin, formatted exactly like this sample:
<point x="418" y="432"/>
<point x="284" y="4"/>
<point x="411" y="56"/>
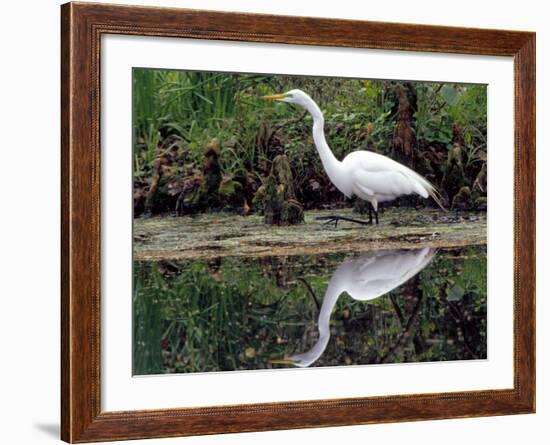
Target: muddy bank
<point x="219" y="235"/>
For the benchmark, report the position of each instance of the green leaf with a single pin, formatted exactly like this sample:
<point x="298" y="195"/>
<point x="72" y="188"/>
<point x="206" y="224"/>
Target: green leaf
<point x="455" y="293"/>
<point x="449" y="94"/>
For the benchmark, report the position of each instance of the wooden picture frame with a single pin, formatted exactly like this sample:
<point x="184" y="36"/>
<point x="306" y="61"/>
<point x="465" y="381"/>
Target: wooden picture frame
<point x="82" y="26"/>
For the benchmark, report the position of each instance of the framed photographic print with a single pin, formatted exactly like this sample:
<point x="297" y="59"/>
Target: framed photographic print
<point x="274" y="222"/>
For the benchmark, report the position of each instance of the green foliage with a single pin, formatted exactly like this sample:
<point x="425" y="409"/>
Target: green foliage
<point x="440" y="106"/>
<point x="192" y="108"/>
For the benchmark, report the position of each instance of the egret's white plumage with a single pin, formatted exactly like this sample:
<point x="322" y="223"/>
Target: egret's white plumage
<point x="370" y="176"/>
<point x="364" y="278"/>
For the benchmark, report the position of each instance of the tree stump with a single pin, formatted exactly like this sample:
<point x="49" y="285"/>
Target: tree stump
<point x="207" y="196"/>
<point x="277" y="195"/>
<point x="231" y="194"/>
<point x="403" y="134"/>
<point x="463" y="199"/>
<point x="454" y="178"/>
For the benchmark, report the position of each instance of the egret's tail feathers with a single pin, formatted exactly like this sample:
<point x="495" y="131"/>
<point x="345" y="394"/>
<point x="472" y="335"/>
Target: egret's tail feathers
<point x="429" y="190"/>
<point x="436" y="196"/>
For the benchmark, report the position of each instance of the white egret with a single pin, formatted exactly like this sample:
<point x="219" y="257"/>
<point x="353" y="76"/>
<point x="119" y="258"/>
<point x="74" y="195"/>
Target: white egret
<point x="364" y="278"/>
<point x="370" y="176"/>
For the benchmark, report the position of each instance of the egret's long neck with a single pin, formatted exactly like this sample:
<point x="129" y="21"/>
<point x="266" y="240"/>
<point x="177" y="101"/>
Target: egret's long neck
<point x="323" y="324"/>
<point x="332" y="294"/>
<point x="332" y="166"/>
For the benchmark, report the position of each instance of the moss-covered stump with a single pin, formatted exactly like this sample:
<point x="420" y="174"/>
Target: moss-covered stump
<point x="153" y="188"/>
<point x="152" y="195"/>
<point x="219" y="235"/>
<point x="463" y="199"/>
<point x="480" y="183"/>
<point x="207" y="196"/>
<point x="231" y="194"/>
<point x="277" y="198"/>
<point x="453" y="174"/>
<point x="292" y="212"/>
<point x="403" y="134"/>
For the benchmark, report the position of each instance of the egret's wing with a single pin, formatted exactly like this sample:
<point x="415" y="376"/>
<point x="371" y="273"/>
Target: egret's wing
<point x="386" y="182"/>
<point x="369" y="277"/>
<point x="373" y="172"/>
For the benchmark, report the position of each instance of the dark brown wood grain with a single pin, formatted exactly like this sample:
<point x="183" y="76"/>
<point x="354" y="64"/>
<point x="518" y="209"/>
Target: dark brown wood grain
<point x="82" y="27"/>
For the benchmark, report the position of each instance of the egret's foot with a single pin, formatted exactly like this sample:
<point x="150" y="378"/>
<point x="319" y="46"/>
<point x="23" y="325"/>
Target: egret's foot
<point x="335" y="218"/>
<point x="328" y="220"/>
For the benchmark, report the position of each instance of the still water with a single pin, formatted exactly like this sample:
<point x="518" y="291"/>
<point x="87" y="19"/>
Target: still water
<point x="384" y="306"/>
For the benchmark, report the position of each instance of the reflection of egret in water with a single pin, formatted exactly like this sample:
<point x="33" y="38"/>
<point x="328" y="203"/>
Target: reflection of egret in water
<point x="364" y="278"/>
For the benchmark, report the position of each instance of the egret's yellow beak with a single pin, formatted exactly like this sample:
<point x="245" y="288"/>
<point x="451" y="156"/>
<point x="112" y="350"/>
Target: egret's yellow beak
<point x="274" y="97"/>
<point x="285" y="361"/>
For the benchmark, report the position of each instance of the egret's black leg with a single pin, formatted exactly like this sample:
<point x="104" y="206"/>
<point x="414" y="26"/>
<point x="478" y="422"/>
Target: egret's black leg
<point x="375" y="214"/>
<point x="335" y="218"/>
<point x="311" y="292"/>
<point x="370" y="214"/>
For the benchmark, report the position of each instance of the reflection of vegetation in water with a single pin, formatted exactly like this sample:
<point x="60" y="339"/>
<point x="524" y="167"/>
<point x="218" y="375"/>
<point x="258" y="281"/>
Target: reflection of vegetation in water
<point x="234" y="313"/>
